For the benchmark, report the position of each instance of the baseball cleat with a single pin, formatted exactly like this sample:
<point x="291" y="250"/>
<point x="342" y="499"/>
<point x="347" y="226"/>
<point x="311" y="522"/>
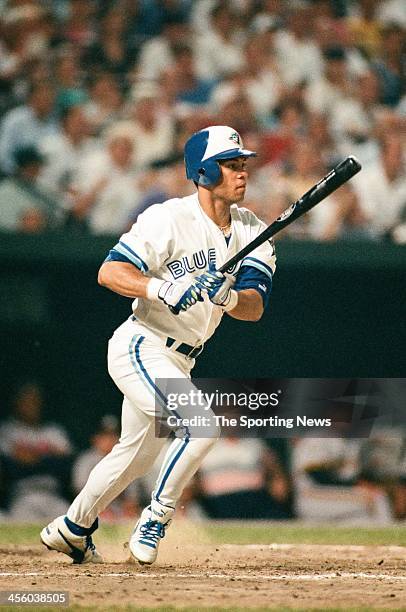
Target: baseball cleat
<point x="149" y="531"/>
<point x="57" y="536"/>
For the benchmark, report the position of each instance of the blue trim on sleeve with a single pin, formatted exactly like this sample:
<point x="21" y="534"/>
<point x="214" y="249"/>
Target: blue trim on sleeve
<point x="116" y="256"/>
<point x="127" y="251"/>
<point x="260" y="265"/>
<point x="250" y="277"/>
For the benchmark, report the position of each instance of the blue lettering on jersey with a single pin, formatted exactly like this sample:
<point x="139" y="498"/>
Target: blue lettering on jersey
<point x="189" y="268"/>
<point x="176" y="269"/>
<point x="211" y="256"/>
<point x="198" y="261"/>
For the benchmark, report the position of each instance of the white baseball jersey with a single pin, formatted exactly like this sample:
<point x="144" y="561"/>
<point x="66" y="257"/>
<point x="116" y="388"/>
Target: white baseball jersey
<point x="175" y="241"/>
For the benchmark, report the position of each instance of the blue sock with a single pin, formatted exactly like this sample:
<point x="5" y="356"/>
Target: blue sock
<point x="81" y="531"/>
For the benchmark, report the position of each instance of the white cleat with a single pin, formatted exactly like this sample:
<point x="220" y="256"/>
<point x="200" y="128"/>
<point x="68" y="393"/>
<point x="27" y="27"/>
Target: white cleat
<point x="57" y="536"/>
<point x="149" y="531"/>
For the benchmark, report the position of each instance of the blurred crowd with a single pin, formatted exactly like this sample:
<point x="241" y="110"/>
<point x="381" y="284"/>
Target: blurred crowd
<point x="340" y="480"/>
<point x="98" y="97"/>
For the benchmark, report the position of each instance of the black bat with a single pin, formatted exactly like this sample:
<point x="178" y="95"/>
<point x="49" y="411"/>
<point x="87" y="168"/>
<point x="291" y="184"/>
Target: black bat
<point x="325" y="187"/>
<point x="332" y="181"/>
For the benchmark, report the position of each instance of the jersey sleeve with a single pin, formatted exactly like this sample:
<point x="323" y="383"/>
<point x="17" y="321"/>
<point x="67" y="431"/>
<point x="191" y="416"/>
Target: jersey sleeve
<point x="258" y="267"/>
<point x="249" y="277"/>
<point x="263" y="257"/>
<point x="147" y="243"/>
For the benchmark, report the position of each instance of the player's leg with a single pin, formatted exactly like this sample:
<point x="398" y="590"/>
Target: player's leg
<point x="181" y="462"/>
<point x="182" y="459"/>
<point x="131" y="458"/>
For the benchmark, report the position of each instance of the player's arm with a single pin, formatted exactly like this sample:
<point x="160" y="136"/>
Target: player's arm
<point x="123" y="277"/>
<point x="249" y="307"/>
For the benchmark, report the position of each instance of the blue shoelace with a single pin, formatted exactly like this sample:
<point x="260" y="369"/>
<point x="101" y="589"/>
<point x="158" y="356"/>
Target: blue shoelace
<point x="151" y="532"/>
<point x="89" y="543"/>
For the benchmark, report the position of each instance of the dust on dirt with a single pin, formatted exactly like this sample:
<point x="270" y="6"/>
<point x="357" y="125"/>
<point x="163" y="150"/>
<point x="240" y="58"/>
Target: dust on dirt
<point x="203" y="575"/>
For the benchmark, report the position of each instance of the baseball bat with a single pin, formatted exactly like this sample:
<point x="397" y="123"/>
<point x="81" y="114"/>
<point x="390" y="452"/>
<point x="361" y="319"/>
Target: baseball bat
<point x="339" y="175"/>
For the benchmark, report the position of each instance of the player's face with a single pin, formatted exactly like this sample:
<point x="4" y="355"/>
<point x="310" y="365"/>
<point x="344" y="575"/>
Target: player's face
<point x="233" y="183"/>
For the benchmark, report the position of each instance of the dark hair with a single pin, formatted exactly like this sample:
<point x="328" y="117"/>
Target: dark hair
<point x="25" y="156"/>
<point x="334" y="53"/>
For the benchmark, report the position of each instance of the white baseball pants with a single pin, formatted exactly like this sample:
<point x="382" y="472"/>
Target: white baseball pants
<point x="136" y="358"/>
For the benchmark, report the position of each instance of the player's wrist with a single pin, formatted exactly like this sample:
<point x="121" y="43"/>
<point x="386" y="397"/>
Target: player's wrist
<point x="232" y="301"/>
<point x="155" y="287"/>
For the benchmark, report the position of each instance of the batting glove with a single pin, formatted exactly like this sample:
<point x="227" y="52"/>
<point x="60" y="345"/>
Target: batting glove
<point x="177" y="296"/>
<point x="218" y="287"/>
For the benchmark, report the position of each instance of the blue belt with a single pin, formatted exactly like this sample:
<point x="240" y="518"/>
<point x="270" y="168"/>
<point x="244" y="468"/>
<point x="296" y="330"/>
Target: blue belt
<point x="186" y="349"/>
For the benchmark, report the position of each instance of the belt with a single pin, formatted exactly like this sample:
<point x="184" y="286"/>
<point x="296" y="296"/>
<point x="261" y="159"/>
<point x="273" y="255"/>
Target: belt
<point x="185" y="349"/>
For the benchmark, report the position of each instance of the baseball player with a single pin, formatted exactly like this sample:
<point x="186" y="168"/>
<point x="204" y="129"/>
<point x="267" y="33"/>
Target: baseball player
<point x="167" y="262"/>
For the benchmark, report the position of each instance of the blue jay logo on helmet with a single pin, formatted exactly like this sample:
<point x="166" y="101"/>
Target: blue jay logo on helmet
<point x="204" y="149"/>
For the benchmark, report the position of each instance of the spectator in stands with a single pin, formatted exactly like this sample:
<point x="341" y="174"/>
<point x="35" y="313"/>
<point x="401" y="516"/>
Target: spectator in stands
<point x="191" y="90"/>
<point x="287" y="122"/>
<point x="104" y="438"/>
<point x="112" y="50"/>
<point x="163" y="180"/>
<point x="158" y="53"/>
<point x="259" y="81"/>
<point x="326" y="475"/>
<point x="30" y="27"/>
<point x="36" y="458"/>
<point x="320" y="134"/>
<point x="80" y="27"/>
<point x="150" y="127"/>
<point x="26" y="125"/>
<point x="238" y="111"/>
<point x="335" y="84"/>
<point x="365" y="28"/>
<point x="105" y="103"/>
<point x="299" y="57"/>
<point x="105" y="189"/>
<point x="392" y="11"/>
<point x="70" y="90"/>
<point x="354" y="118"/>
<point x="242" y="479"/>
<point x="391" y="64"/>
<point x="381" y="187"/>
<point x="64" y="153"/>
<point x="218" y="50"/>
<point x="25" y="205"/>
<point x="305" y="170"/>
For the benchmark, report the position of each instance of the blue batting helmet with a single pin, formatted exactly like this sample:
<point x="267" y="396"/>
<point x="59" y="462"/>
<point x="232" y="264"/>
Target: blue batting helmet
<point x="205" y="148"/>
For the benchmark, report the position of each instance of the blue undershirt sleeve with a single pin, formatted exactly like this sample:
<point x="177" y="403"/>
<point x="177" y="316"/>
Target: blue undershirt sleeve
<point x="114" y="255"/>
<point x="249" y="277"/>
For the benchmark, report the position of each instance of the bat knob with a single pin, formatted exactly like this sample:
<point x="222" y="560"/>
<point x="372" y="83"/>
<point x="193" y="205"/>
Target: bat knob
<point x="354" y="162"/>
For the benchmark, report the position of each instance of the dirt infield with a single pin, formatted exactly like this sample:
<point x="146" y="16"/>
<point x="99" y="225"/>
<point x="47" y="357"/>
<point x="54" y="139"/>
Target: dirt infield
<point x="225" y="575"/>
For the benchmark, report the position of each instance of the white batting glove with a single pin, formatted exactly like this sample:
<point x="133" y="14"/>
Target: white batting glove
<point x="218" y="287"/>
<point x="177" y="296"/>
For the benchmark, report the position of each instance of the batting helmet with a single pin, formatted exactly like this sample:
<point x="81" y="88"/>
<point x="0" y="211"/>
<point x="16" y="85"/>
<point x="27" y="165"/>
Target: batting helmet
<point x="205" y="148"/>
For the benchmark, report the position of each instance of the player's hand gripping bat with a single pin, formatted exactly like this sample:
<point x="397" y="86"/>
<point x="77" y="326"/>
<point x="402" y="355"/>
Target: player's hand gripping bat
<point x="339" y="175"/>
